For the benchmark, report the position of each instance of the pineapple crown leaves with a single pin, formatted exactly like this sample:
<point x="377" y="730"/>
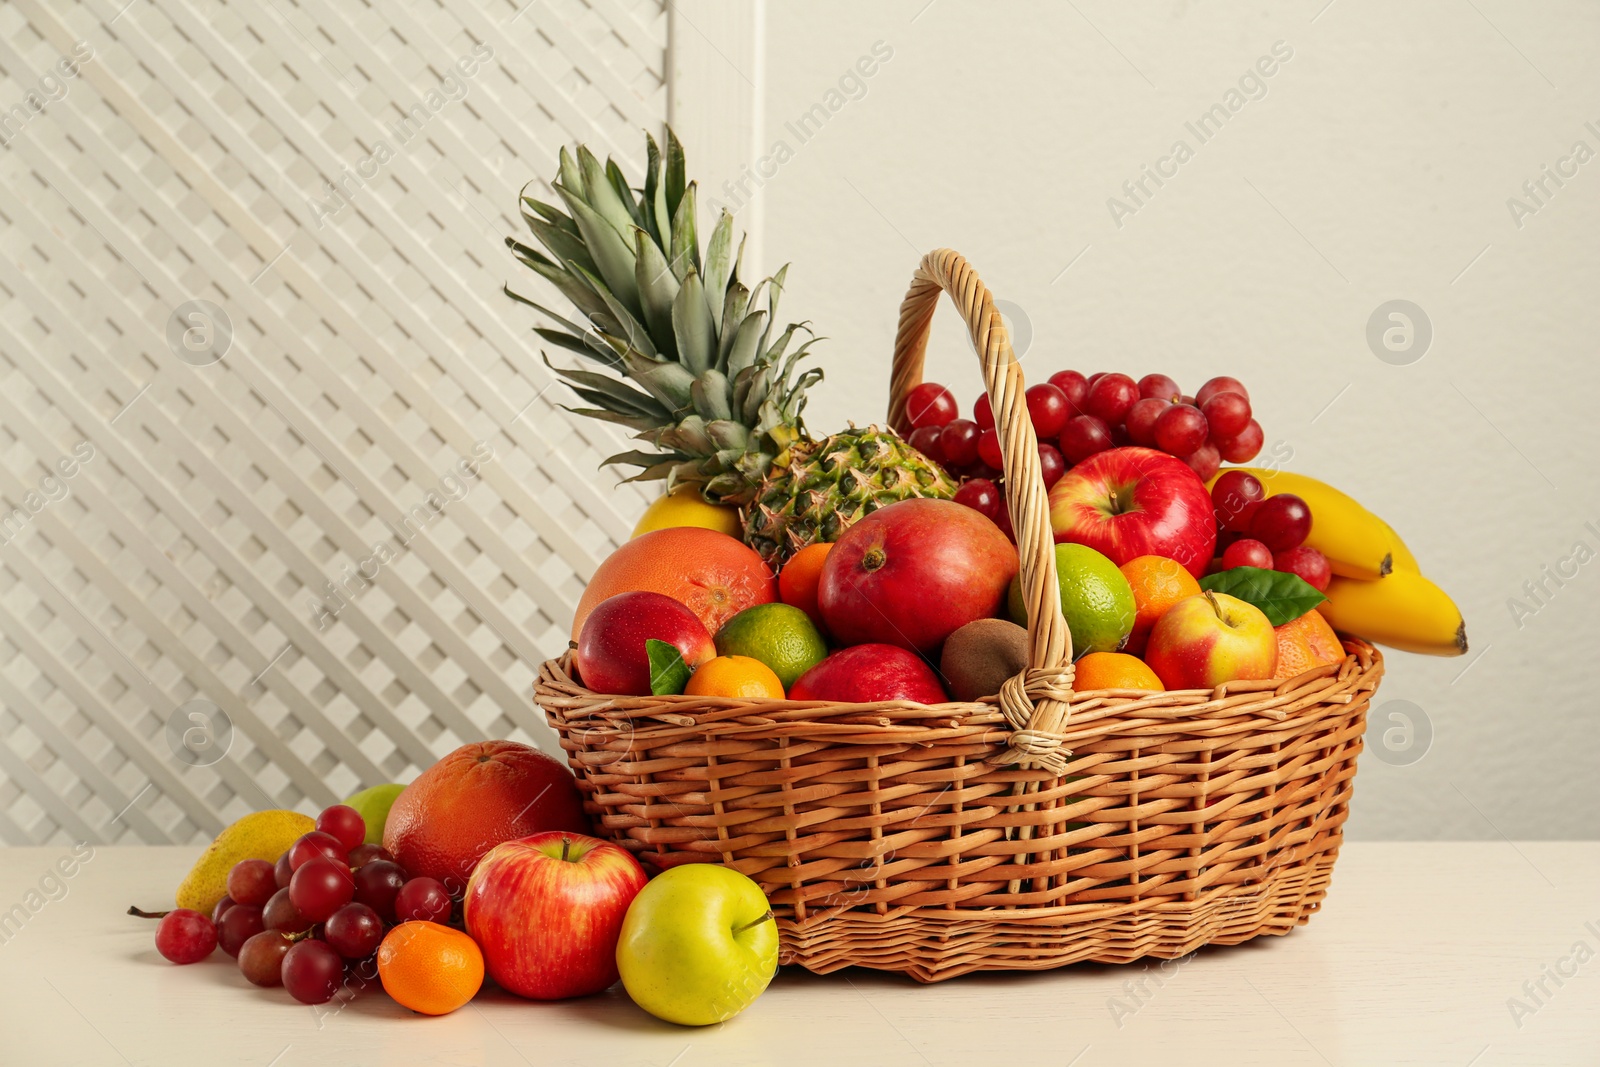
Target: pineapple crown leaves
<point x="689" y="357"/>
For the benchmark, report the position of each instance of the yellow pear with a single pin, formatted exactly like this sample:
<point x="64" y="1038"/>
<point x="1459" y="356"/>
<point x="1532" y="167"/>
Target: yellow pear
<point x="261" y="835"/>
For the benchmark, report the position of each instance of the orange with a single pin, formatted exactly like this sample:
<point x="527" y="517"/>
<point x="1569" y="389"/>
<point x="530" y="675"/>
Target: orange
<point x="715" y="575"/>
<point x="1114" y="670"/>
<point x="797" y="581"/>
<point x="430" y="968"/>
<point x="735" y="676"/>
<point x="1306" y="643"/>
<point x="1158" y="583"/>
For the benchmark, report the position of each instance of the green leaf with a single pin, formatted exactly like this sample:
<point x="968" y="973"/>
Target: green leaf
<point x="1281" y="596"/>
<point x="719" y="265"/>
<point x="673" y="187"/>
<point x="611" y="254"/>
<point x="695" y="333"/>
<point x="685" y="241"/>
<point x="668" y="673"/>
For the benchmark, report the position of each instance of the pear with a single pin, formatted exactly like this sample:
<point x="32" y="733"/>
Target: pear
<point x="261" y="835"/>
<point x="373" y="804"/>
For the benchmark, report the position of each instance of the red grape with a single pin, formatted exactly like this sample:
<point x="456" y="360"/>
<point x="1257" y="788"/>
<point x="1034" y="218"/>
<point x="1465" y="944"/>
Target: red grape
<point x="1247" y="553"/>
<point x="1180" y="430"/>
<point x="1244" y="446"/>
<point x="1088" y="383"/>
<point x="261" y="958"/>
<point x="345" y="824"/>
<point x="378" y="882"/>
<point x="1003" y="520"/>
<point x="1233" y="499"/>
<point x="281" y="914"/>
<point x="311" y="845"/>
<point x="928" y="404"/>
<point x="1048" y="409"/>
<point x="354" y="931"/>
<point x="1141" y="420"/>
<point x="1074" y="385"/>
<point x="1222" y="384"/>
<point x="282" y="871"/>
<point x="320" y="887"/>
<point x="312" y="971"/>
<point x="1227" y="413"/>
<point x="242" y="922"/>
<point x="1187" y="399"/>
<point x="424" y="899"/>
<point x="251" y="882"/>
<point x="1082" y="437"/>
<point x="1308" y="563"/>
<point x="982" y="412"/>
<point x="958" y="442"/>
<point x="1110" y="398"/>
<point x="1159" y="387"/>
<point x="989" y="449"/>
<point x="1051" y="464"/>
<point x="1281" y="522"/>
<point x="366" y="853"/>
<point x="979" y="494"/>
<point x="926" y="440"/>
<point x="1204" y="461"/>
<point x="221" y="909"/>
<point x="185" y="936"/>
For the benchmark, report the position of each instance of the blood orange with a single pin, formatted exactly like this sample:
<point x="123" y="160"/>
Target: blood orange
<point x="471" y="800"/>
<point x="715" y="575"/>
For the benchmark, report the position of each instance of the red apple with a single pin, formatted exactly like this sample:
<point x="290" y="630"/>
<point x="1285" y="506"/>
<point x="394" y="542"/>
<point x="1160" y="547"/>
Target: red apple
<point x="1131" y="502"/>
<point x="611" y="655"/>
<point x="913" y="573"/>
<point x="547" y="911"/>
<point x="1205" y="640"/>
<point x="864" y="674"/>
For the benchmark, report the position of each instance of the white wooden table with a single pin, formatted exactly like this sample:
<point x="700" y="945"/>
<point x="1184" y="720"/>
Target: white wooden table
<point x="1413" y="960"/>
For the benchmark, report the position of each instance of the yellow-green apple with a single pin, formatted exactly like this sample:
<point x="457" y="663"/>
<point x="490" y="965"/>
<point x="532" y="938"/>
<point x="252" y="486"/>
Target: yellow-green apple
<point x="1202" y="641"/>
<point x="547" y="911"/>
<point x="1131" y="502"/>
<point x="699" y="945"/>
<point x="611" y="656"/>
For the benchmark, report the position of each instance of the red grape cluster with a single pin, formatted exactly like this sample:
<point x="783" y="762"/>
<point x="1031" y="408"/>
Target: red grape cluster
<point x="1267" y="532"/>
<point x="1076" y="417"/>
<point x="317" y="913"/>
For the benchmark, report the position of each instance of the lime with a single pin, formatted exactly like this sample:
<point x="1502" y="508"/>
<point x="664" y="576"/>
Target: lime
<point x="779" y="635"/>
<point x="373" y="806"/>
<point x="1095" y="598"/>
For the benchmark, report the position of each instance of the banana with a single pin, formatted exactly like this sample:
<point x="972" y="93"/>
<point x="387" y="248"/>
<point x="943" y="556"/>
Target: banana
<point x="1357" y="543"/>
<point x="1403" y="610"/>
<point x="1403" y="559"/>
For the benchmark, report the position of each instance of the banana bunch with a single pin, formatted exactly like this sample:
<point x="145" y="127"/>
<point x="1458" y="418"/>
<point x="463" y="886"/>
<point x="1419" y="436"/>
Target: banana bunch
<point x="1377" y="591"/>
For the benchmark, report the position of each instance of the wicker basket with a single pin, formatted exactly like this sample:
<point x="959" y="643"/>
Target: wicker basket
<point x="1035" y="829"/>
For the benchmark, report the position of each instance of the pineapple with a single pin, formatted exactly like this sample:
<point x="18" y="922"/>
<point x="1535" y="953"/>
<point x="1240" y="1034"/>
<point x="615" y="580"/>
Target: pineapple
<point x="698" y="368"/>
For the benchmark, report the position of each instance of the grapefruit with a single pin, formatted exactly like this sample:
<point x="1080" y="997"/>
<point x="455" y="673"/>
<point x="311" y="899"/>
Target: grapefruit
<point x="481" y="794"/>
<point x="714" y="575"/>
<point x="1306" y="643"/>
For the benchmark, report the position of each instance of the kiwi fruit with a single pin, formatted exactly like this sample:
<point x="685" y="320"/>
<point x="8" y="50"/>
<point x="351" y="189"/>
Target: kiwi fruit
<point x="980" y="656"/>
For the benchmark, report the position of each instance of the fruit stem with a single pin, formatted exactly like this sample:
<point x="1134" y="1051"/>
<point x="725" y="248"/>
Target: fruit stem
<point x="1211" y="598"/>
<point x="133" y="910"/>
<point x="566" y="846"/>
<point x="737" y="930"/>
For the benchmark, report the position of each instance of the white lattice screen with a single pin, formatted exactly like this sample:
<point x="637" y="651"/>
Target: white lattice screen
<point x="376" y="389"/>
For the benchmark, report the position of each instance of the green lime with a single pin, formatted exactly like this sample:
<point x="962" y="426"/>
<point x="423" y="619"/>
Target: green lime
<point x="373" y="806"/>
<point x="1095" y="598"/>
<point x="779" y="635"/>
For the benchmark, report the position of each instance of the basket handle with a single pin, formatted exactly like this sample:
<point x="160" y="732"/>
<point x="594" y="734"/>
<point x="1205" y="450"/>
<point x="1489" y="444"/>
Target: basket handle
<point x="1035" y="702"/>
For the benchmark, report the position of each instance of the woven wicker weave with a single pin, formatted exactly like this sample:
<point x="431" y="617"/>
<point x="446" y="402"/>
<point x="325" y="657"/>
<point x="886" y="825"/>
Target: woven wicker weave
<point x="1031" y="830"/>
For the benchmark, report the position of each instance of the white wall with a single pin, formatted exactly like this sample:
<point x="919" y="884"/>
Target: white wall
<point x="1377" y="166"/>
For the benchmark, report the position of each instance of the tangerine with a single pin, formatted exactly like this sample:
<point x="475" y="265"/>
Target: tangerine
<point x="735" y="676"/>
<point x="715" y="575"/>
<point x="1306" y="643"/>
<point x="798" y="580"/>
<point x="1114" y="670"/>
<point x="430" y="968"/>
<point x="1158" y="583"/>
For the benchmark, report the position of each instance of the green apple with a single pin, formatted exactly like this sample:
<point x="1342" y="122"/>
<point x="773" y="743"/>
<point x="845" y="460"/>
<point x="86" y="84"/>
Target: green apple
<point x="373" y="805"/>
<point x="698" y="945"/>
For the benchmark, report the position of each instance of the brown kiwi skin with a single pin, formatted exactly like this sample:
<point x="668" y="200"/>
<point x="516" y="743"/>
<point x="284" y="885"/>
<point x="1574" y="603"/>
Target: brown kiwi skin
<point x="980" y="656"/>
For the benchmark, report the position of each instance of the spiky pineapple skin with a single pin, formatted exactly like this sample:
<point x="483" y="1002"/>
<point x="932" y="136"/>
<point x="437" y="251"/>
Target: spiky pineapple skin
<point x="819" y="489"/>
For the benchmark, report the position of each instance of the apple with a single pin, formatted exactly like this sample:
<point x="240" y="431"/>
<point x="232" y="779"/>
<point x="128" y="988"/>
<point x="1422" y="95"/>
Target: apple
<point x="913" y="573"/>
<point x="1131" y="502"/>
<point x="865" y="674"/>
<point x="699" y="945"/>
<point x="611" y="656"/>
<point x="1202" y="641"/>
<point x="547" y="911"/>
